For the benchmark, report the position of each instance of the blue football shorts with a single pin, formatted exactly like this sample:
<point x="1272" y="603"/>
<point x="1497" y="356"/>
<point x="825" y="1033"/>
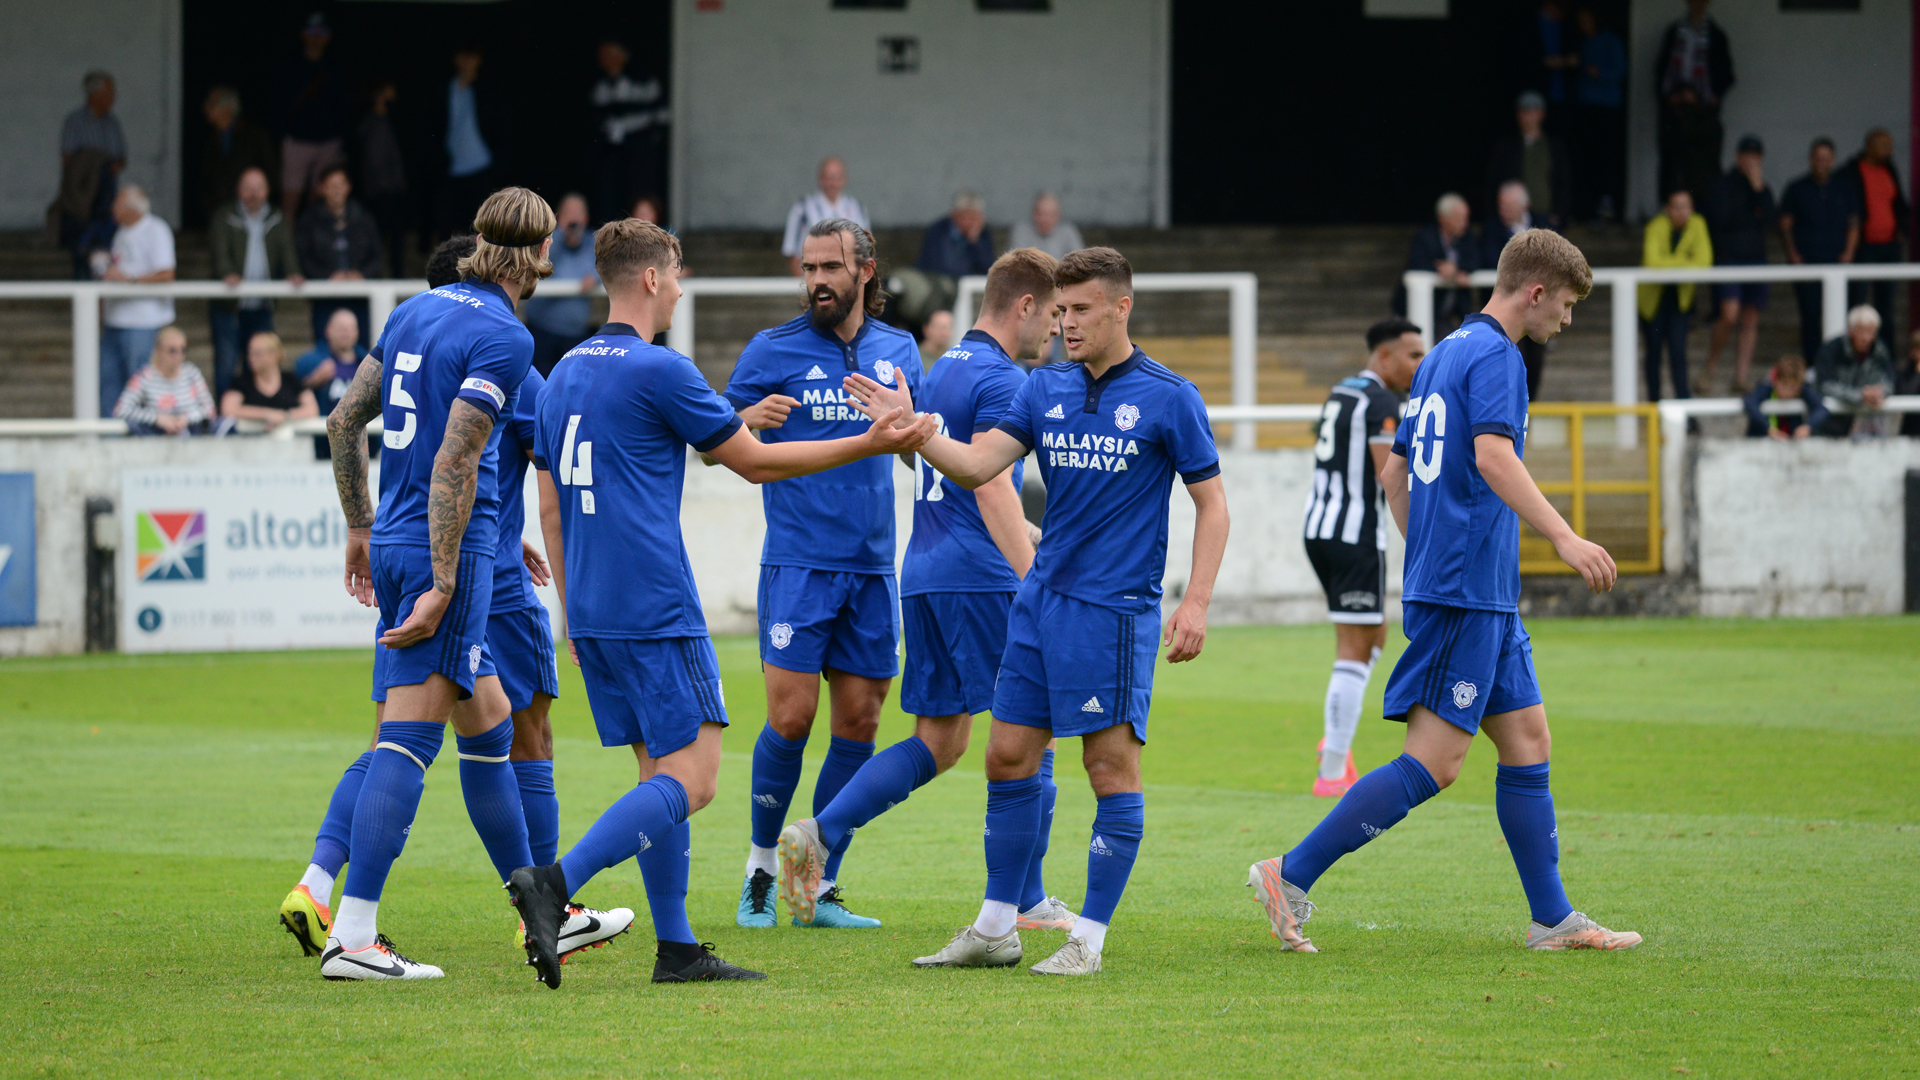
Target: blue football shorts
<point x="812" y="620"/>
<point x="521" y="645"/>
<point x="954" y="645"/>
<point x="654" y="693"/>
<point x="458" y="647"/>
<point x="1463" y="664"/>
<point x="1075" y="667"/>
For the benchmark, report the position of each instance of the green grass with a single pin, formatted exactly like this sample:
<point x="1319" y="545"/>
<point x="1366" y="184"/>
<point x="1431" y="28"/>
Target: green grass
<point x="1745" y="794"/>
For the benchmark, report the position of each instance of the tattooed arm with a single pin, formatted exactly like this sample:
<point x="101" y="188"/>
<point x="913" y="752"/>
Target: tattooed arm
<point x="347" y="434"/>
<point x="456" y="476"/>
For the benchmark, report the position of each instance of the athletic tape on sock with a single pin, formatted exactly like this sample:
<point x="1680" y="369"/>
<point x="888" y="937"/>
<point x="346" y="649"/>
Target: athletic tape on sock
<point x="403" y="750"/>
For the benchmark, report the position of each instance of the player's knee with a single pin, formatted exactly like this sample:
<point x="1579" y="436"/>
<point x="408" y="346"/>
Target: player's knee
<point x="858" y="728"/>
<point x="945" y="737"/>
<point x="1444" y="773"/>
<point x="790" y="724"/>
<point x="532" y="735"/>
<point x="1111" y="774"/>
<point x="699" y="793"/>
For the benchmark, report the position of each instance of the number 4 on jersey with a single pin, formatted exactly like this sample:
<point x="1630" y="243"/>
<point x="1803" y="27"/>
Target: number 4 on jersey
<point x="576" y="464"/>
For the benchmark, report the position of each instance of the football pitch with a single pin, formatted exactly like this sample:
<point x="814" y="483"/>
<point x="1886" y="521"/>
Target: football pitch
<point x="1744" y="794"/>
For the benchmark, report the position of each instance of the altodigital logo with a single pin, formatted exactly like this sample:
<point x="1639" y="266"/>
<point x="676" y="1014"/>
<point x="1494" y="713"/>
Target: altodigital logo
<point x="171" y="545"/>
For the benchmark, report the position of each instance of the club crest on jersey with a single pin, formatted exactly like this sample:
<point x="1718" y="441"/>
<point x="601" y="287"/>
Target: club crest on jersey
<point x="816" y="373"/>
<point x="1463" y="694"/>
<point x="473" y="660"/>
<point x="1056" y="413"/>
<point x="780" y="634"/>
<point x="883" y="372"/>
<point x="1126" y="416"/>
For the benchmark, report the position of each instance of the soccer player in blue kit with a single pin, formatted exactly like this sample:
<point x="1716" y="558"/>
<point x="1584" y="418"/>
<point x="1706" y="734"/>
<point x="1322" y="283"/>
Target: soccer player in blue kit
<point x="828" y="602"/>
<point x="1458" y="490"/>
<point x="964" y="563"/>
<point x="615" y="422"/>
<point x="1112" y="428"/>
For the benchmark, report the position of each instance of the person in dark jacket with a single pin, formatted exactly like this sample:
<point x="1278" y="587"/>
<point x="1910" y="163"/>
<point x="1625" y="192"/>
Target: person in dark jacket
<point x="1692" y="73"/>
<point x="1741" y="211"/>
<point x="1536" y="159"/>
<point x="472" y="137"/>
<point x="249" y="241"/>
<point x="339" y="241"/>
<point x="1447" y="248"/>
<point x="313" y="117"/>
<point x="1907" y="381"/>
<point x="1855" y="370"/>
<point x="383" y="172"/>
<point x="1820" y="223"/>
<point x="233" y="145"/>
<point x="1884" y="218"/>
<point x="1787" y="382"/>
<point x="1513" y="215"/>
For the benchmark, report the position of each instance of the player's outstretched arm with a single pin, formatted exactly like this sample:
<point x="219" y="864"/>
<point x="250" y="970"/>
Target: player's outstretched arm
<point x="1507" y="475"/>
<point x="761" y="463"/>
<point x="347" y="435"/>
<point x="1186" y="632"/>
<point x="1393" y="482"/>
<point x="969" y="464"/>
<point x="456" y="477"/>
<point x="1006" y="521"/>
<point x="556" y="544"/>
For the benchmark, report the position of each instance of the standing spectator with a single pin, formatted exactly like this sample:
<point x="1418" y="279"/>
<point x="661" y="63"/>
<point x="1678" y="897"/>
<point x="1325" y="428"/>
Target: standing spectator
<point x="829" y="200"/>
<point x="142" y="253"/>
<point x="1677" y="237"/>
<point x="1444" y="248"/>
<point x="1787" y="382"/>
<point x="1692" y="73"/>
<point x="313" y="116"/>
<point x="1741" y="213"/>
<point x="264" y="391"/>
<point x="1537" y="160"/>
<point x="233" y="145"/>
<point x="1908" y="382"/>
<point x="936" y="337"/>
<point x="1820" y="222"/>
<point x="383" y="173"/>
<point x="630" y="118"/>
<point x="562" y="313"/>
<point x="1600" y="122"/>
<point x="473" y="134"/>
<point x="93" y="150"/>
<point x="167" y="396"/>
<point x="1046" y="230"/>
<point x="1513" y="216"/>
<point x="1883" y="220"/>
<point x="1557" y="56"/>
<point x="647" y="209"/>
<point x="249" y="241"/>
<point x="328" y="369"/>
<point x="338" y="241"/>
<point x="1856" y="370"/>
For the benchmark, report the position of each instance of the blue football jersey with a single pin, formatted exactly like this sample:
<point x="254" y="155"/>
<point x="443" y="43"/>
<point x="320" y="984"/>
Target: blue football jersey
<point x="968" y="391"/>
<point x="512" y="584"/>
<point x="1108" y="449"/>
<point x="615" y="421"/>
<point x="841" y="519"/>
<point x="1463" y="542"/>
<point x="457" y="341"/>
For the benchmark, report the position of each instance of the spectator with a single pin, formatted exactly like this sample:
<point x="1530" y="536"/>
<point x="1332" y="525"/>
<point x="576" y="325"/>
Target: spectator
<point x="1677" y="237"/>
<point x="1908" y="382"/>
<point x="1515" y="216"/>
<point x="646" y="208"/>
<point x="264" y="392"/>
<point x="338" y="241"/>
<point x="233" y="145"/>
<point x="312" y="115"/>
<point x="167" y="396"/>
<point x="1856" y="370"/>
<point x="328" y="369"/>
<point x="1883" y="219"/>
<point x="1444" y="248"/>
<point x="1600" y="122"/>
<point x="93" y="150"/>
<point x="1557" y="56"/>
<point x="1820" y="222"/>
<point x="142" y="253"/>
<point x="1787" y="382"/>
<point x="1045" y="229"/>
<point x="1742" y="211"/>
<point x="559" y="321"/>
<point x="473" y="138"/>
<point x="1536" y="159"/>
<point x="936" y="337"/>
<point x="1692" y="72"/>
<point x="383" y="173"/>
<point x="954" y="246"/>
<point x="630" y="118"/>
<point x="249" y="241"/>
<point x="830" y="200"/>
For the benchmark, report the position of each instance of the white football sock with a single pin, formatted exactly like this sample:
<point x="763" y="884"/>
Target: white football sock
<point x="763" y="858"/>
<point x="354" y="924"/>
<point x="1093" y="933"/>
<point x="826" y="886"/>
<point x="1346" y="691"/>
<point x="996" y="918"/>
<point x="319" y="884"/>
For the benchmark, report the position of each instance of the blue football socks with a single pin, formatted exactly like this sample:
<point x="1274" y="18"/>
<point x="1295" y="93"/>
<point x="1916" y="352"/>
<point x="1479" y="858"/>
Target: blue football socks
<point x="1118" y="823"/>
<point x="541" y="807"/>
<point x="1036" y="887"/>
<point x="1525" y="808"/>
<point x="776" y="773"/>
<point x="389" y="797"/>
<point x="642" y="818"/>
<point x="665" y="867"/>
<point x="1370" y="807"/>
<point x="1013" y="826"/>
<point x="336" y="829"/>
<point x="844" y="759"/>
<point x="493" y="796"/>
<point x="882" y="783"/>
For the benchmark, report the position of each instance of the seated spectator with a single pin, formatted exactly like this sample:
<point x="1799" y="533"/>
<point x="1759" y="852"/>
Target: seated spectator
<point x="168" y="396"/>
<point x="249" y="241"/>
<point x="958" y="244"/>
<point x="1513" y="215"/>
<point x="562" y="314"/>
<point x="829" y="200"/>
<point x="1677" y="237"/>
<point x="936" y="336"/>
<point x="142" y="254"/>
<point x="1787" y="382"/>
<point x="1742" y="212"/>
<point x="1444" y="248"/>
<point x="1855" y="370"/>
<point x="263" y="392"/>
<point x="1536" y="159"/>
<point x="338" y="240"/>
<point x="1908" y="382"/>
<point x="1045" y="229"/>
<point x="328" y="369"/>
<point x="233" y="145"/>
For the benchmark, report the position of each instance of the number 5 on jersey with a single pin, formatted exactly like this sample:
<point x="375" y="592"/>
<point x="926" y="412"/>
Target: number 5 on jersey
<point x="398" y="437"/>
<point x="576" y="464"/>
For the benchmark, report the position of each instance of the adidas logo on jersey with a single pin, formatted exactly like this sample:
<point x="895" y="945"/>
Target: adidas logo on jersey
<point x="1056" y="413"/>
<point x="816" y="373"/>
<point x="1092" y="705"/>
<point x="1099" y="846"/>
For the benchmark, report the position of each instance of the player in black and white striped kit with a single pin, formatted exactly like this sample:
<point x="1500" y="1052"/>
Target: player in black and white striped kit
<point x="1345" y="534"/>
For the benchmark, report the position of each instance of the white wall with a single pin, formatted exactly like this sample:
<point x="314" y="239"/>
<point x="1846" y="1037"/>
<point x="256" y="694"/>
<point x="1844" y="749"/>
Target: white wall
<point x="45" y="49"/>
<point x="1075" y="100"/>
<point x="1798" y="74"/>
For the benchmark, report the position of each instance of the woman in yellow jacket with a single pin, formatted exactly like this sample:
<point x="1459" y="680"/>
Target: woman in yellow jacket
<point x="1675" y="237"/>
